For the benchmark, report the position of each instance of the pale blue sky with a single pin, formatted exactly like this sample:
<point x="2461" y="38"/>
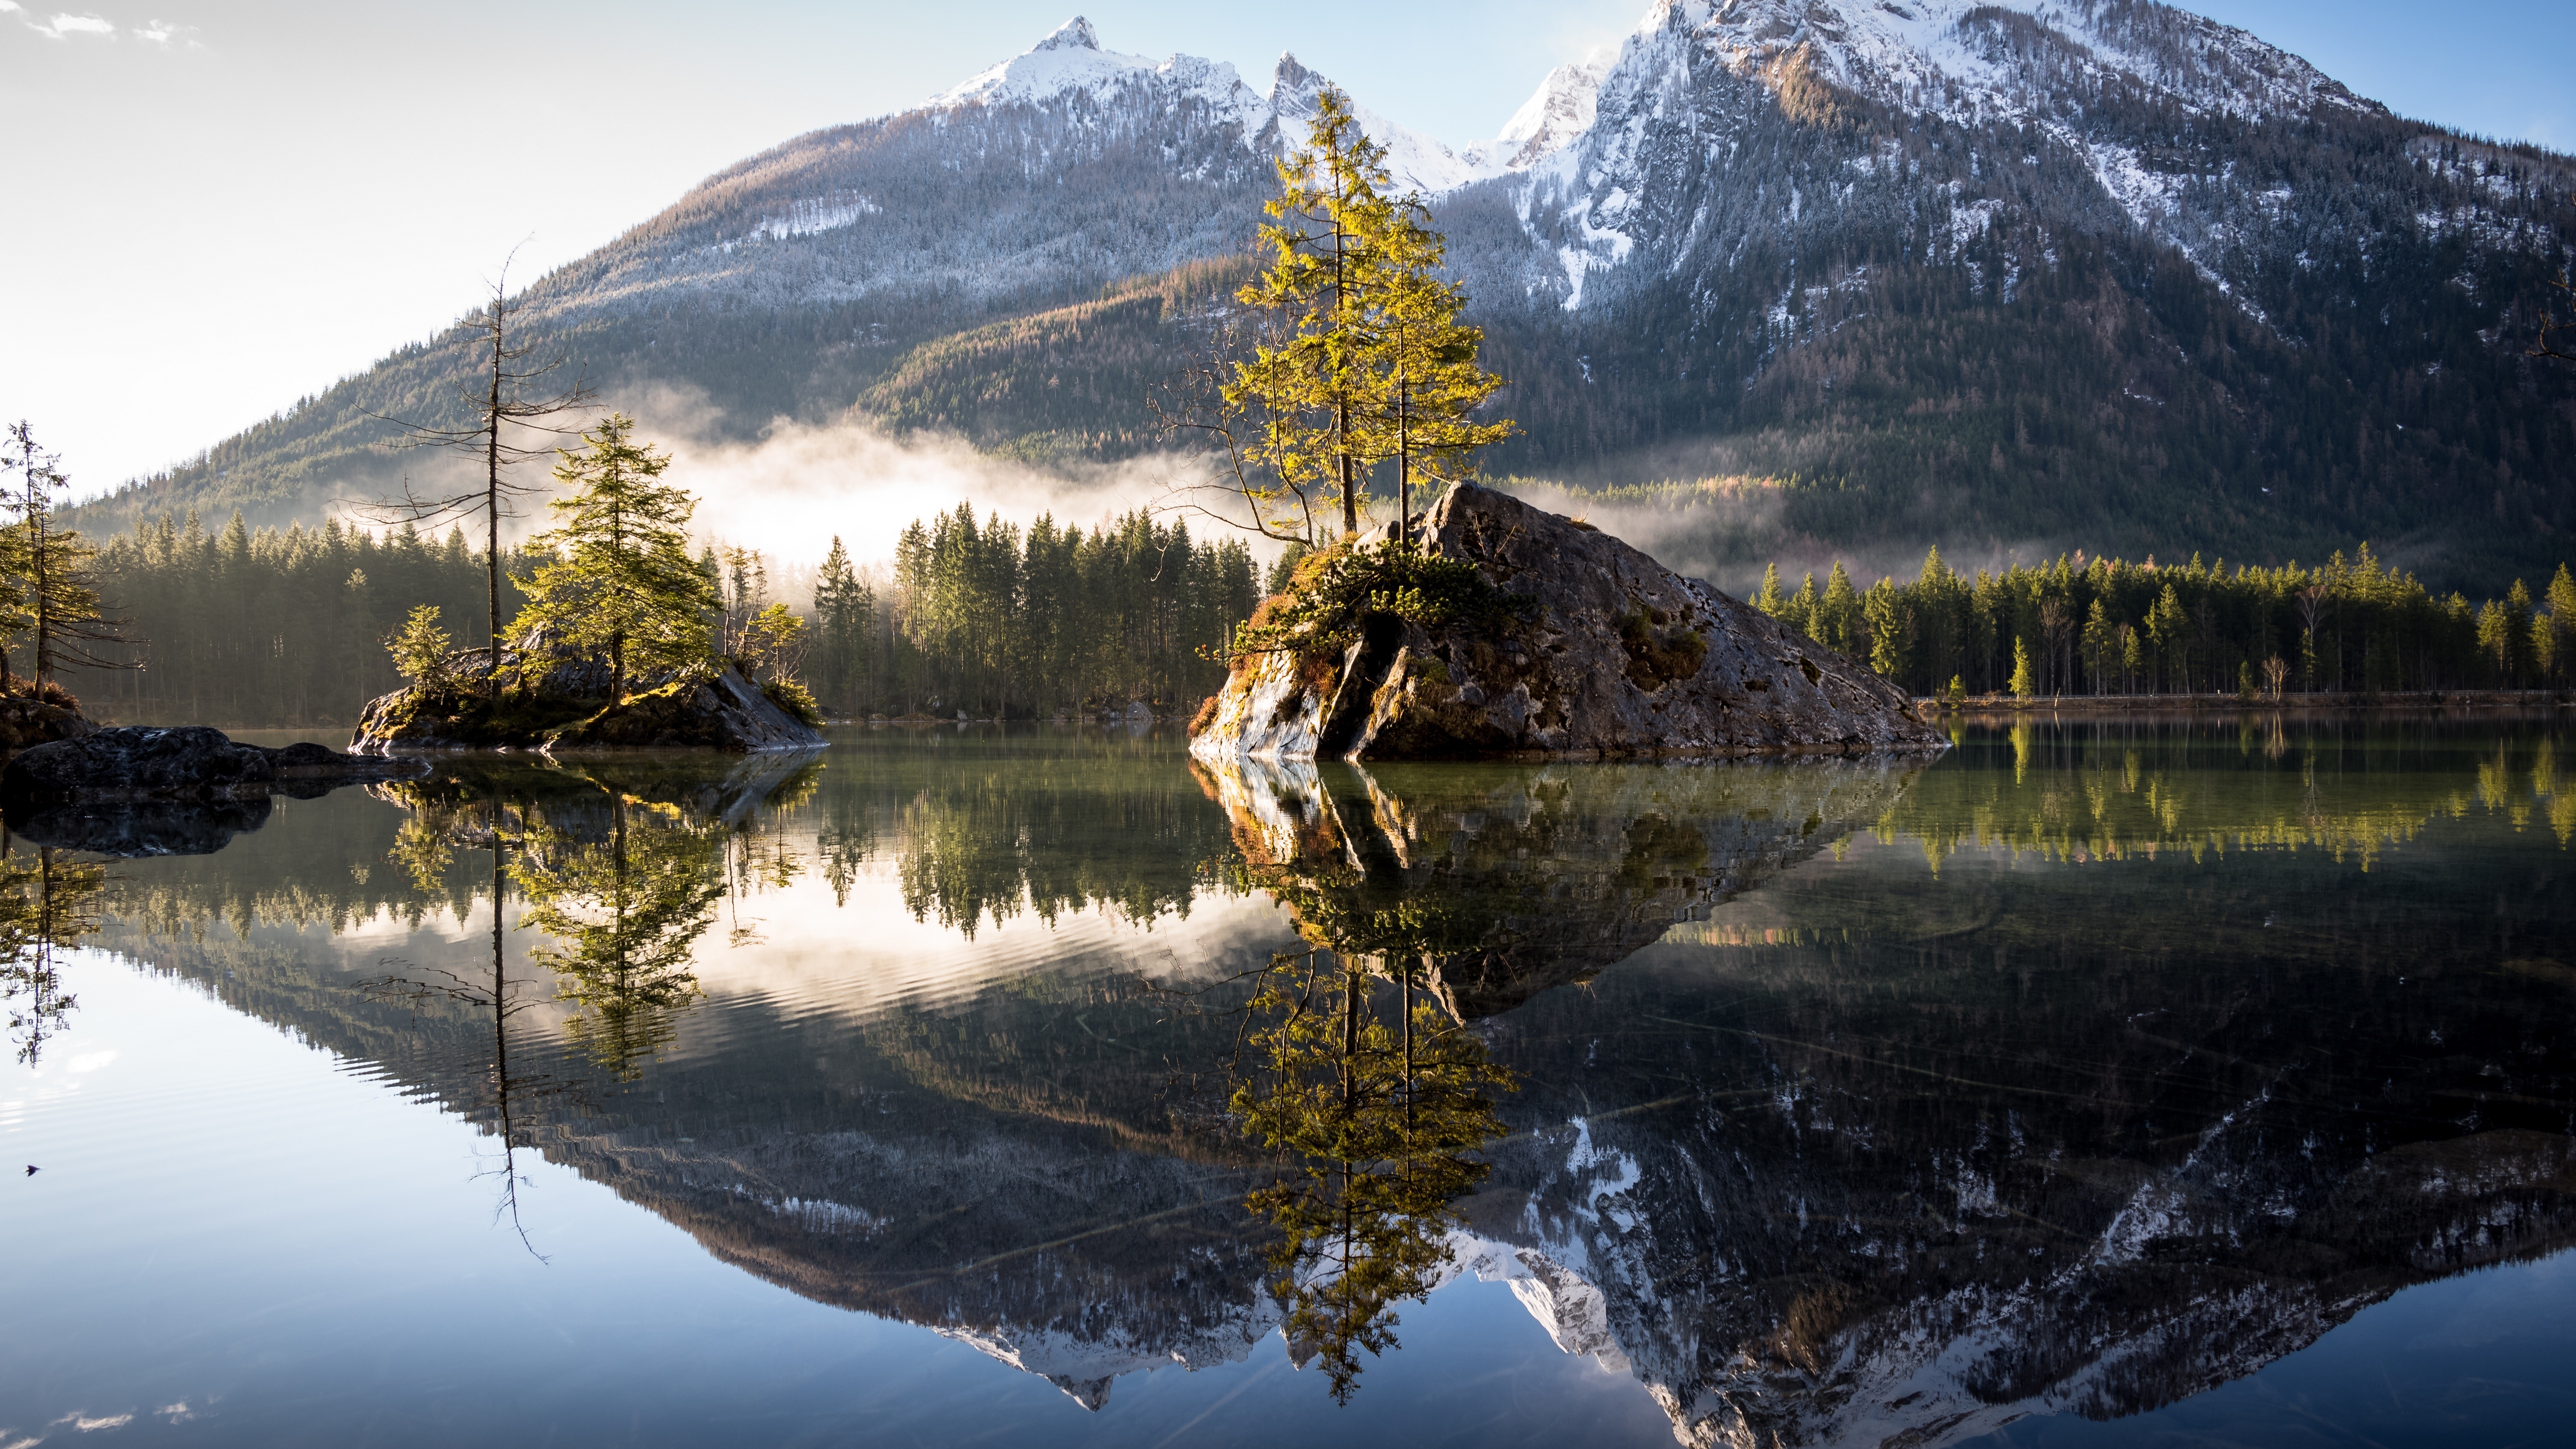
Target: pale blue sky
<point x="219" y="205"/>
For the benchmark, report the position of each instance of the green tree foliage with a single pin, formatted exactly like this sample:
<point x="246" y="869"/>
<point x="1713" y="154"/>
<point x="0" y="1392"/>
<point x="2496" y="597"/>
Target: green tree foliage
<point x="1377" y="1120"/>
<point x="245" y="627"/>
<point x="992" y="619"/>
<point x="626" y="908"/>
<point x="620" y="577"/>
<point x="420" y="649"/>
<point x="1356" y="357"/>
<point x="2104" y="626"/>
<point x="54" y="599"/>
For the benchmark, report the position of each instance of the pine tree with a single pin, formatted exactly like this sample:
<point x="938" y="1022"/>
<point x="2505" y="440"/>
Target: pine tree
<point x="845" y="611"/>
<point x="1838" y="614"/>
<point x="2024" y="685"/>
<point x="622" y="578"/>
<point x="55" y="600"/>
<point x="1419" y="360"/>
<point x="1769" y="598"/>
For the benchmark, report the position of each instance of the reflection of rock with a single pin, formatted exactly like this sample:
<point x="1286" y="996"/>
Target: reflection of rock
<point x="1620" y="657"/>
<point x="137" y="791"/>
<point x="1510" y="879"/>
<point x="143" y="828"/>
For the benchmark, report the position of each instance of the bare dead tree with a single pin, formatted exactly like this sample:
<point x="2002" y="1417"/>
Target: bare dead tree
<point x="504" y="998"/>
<point x="506" y="394"/>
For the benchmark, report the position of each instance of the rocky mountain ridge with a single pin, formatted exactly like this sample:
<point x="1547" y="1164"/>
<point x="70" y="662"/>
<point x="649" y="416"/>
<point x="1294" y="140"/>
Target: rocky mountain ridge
<point x="2100" y="273"/>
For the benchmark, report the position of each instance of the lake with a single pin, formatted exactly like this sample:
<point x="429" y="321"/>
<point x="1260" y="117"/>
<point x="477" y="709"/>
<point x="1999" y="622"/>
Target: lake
<point x="2107" y="1082"/>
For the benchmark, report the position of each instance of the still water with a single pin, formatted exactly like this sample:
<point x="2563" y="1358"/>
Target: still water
<point x="2139" y="1083"/>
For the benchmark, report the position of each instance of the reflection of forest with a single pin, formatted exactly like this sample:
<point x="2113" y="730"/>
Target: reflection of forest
<point x="2107" y="791"/>
<point x="1941" y="1150"/>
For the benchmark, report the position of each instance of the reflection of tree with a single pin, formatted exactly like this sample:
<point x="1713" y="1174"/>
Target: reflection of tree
<point x="625" y="912"/>
<point x="1382" y="1118"/>
<point x="46" y="902"/>
<point x="423" y="847"/>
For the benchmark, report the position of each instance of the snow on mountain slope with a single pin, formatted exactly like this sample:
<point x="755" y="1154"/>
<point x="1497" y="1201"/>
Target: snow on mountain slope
<point x="1070" y="67"/>
<point x="2034" y="75"/>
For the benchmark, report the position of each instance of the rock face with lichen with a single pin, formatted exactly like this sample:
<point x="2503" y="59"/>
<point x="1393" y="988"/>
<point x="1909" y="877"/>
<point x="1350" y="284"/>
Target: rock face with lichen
<point x="1614" y="656"/>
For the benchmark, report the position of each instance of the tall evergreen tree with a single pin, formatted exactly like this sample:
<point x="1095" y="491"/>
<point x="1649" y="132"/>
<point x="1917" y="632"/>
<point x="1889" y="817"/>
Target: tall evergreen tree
<point x="55" y="598"/>
<point x="621" y="578"/>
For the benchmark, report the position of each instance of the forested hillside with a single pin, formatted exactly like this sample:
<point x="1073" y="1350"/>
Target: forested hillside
<point x="2102" y="275"/>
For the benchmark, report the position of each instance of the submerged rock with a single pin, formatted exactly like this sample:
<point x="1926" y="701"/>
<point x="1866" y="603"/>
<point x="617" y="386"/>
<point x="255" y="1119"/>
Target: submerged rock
<point x="1616" y="656"/>
<point x="553" y="697"/>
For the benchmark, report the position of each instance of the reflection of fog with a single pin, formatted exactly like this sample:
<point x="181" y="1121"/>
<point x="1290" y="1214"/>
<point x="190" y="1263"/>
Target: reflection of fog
<point x="1891" y="1120"/>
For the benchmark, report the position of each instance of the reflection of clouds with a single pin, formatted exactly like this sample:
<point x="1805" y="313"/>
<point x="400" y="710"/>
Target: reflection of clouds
<point x="872" y="955"/>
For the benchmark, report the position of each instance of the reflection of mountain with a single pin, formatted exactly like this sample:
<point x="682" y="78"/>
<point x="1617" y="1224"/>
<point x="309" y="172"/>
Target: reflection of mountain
<point x="2025" y="1136"/>
<point x="1509" y="880"/>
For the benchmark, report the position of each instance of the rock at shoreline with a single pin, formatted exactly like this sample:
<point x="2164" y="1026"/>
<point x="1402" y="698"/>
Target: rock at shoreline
<point x="25" y="723"/>
<point x="556" y="697"/>
<point x="139" y="790"/>
<point x="1617" y="656"/>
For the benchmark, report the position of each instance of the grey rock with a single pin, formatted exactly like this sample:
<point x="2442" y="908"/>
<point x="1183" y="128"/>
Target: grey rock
<point x="1617" y="657"/>
<point x="556" y="696"/>
<point x="139" y="790"/>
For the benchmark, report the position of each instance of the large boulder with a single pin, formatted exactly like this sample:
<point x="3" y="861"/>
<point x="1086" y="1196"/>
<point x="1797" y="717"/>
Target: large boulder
<point x="1613" y="656"/>
<point x="555" y="696"/>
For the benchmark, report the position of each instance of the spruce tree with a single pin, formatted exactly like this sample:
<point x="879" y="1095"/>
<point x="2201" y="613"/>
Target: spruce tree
<point x="55" y="600"/>
<point x="621" y="578"/>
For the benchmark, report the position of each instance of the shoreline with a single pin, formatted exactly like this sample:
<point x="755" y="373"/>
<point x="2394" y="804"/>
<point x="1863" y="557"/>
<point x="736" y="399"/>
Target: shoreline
<point x="2384" y="701"/>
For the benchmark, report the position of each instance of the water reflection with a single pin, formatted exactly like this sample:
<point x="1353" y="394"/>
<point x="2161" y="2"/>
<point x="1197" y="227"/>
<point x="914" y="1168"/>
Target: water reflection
<point x="49" y="900"/>
<point x="2076" y="1073"/>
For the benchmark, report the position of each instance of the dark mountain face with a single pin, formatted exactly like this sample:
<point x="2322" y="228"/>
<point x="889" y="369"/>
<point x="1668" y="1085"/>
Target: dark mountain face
<point x="2104" y="274"/>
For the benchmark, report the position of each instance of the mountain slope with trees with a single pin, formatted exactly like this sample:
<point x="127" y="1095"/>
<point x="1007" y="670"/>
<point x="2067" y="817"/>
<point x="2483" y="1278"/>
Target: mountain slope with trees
<point x="2102" y="275"/>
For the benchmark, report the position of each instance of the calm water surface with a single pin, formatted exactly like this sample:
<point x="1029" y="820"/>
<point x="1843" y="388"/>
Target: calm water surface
<point x="2098" y="1084"/>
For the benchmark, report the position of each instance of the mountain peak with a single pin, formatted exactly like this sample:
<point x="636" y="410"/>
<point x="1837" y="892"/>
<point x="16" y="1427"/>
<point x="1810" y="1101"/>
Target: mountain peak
<point x="1074" y="34"/>
<point x="1292" y="77"/>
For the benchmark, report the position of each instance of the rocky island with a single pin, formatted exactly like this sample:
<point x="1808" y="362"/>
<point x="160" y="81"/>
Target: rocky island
<point x="1604" y="653"/>
<point x="553" y="695"/>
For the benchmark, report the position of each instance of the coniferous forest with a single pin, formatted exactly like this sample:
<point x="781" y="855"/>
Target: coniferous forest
<point x="2105" y="626"/>
<point x="264" y="627"/>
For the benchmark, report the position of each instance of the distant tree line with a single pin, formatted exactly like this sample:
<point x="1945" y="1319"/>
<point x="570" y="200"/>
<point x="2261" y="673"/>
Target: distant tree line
<point x="997" y="621"/>
<point x="267" y="628"/>
<point x="2105" y="626"/>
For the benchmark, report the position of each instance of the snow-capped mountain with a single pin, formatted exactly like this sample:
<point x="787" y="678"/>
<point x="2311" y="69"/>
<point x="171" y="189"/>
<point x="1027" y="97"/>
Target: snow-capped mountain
<point x="2089" y="272"/>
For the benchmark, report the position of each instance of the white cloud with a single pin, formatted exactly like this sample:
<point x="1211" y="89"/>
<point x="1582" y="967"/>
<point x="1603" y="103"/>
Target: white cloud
<point x="162" y="32"/>
<point x="62" y="26"/>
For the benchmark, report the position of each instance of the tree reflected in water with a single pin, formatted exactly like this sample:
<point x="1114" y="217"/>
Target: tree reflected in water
<point x="47" y="901"/>
<point x="626" y="912"/>
<point x="1379" y="1119"/>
